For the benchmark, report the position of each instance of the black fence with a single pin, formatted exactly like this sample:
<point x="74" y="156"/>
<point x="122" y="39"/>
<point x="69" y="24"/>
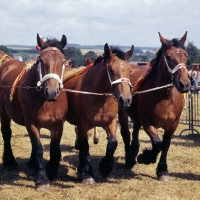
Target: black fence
<point x="191" y="112"/>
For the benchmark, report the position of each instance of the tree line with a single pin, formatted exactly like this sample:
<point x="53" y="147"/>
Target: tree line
<point x="79" y="59"/>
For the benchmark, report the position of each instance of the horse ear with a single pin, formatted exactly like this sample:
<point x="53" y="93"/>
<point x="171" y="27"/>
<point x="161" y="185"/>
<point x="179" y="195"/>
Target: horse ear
<point x="88" y="61"/>
<point x="183" y="39"/>
<point x="63" y="41"/>
<point x="163" y="40"/>
<point x="40" y="41"/>
<point x="129" y="53"/>
<point x="107" y="52"/>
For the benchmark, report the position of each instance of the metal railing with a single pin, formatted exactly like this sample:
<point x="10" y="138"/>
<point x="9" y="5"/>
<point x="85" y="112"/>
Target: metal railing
<point x="191" y="112"/>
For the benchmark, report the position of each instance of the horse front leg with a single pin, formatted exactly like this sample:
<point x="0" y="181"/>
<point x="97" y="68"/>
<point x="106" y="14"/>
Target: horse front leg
<point x="125" y="133"/>
<point x="150" y="156"/>
<point x="162" y="171"/>
<point x="106" y="164"/>
<point x="8" y="158"/>
<point x="55" y="152"/>
<point x="85" y="170"/>
<point x="42" y="183"/>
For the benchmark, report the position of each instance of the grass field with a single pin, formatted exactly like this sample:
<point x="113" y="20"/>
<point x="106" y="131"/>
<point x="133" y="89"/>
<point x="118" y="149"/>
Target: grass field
<point x="138" y="183"/>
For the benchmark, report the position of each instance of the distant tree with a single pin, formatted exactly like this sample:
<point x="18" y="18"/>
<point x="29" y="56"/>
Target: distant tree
<point x="193" y="53"/>
<point x="91" y="54"/>
<point x="135" y="58"/>
<point x="138" y="51"/>
<point x="144" y="58"/>
<point x="198" y="57"/>
<point x="76" y="55"/>
<point x="5" y="49"/>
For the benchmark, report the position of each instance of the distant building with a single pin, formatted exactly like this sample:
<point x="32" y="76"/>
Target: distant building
<point x="17" y="57"/>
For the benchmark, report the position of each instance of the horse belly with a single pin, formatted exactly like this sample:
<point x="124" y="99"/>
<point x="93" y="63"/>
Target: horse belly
<point x="163" y="115"/>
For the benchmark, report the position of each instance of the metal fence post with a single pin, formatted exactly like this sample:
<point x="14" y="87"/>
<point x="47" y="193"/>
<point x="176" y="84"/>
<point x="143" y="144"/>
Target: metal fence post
<point x="191" y="107"/>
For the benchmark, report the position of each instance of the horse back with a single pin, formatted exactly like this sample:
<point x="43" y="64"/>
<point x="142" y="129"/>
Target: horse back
<point x="10" y="70"/>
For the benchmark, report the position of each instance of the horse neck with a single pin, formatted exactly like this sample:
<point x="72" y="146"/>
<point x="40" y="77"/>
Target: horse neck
<point x="32" y="75"/>
<point x="161" y="76"/>
<point x="101" y="78"/>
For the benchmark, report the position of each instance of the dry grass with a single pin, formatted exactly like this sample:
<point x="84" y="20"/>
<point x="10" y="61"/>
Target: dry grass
<point x="140" y="183"/>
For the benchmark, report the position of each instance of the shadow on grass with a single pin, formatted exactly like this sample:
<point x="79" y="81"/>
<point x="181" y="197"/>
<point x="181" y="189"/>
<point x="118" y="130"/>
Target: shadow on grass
<point x="186" y="176"/>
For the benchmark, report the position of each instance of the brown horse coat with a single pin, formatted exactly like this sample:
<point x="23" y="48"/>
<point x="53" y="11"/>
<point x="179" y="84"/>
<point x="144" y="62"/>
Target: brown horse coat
<point x="97" y="109"/>
<point x="159" y="108"/>
<point x="35" y="107"/>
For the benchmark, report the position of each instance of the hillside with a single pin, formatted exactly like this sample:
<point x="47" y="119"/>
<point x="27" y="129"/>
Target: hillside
<point x="84" y="48"/>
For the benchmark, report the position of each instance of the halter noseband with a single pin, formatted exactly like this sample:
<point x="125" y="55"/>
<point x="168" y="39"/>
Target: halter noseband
<point x="50" y="75"/>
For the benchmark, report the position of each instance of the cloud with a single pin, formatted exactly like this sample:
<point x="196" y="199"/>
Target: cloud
<point x="119" y="22"/>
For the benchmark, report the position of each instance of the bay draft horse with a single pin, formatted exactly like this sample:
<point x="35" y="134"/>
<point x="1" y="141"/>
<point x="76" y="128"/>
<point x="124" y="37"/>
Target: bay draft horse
<point x="35" y="102"/>
<point x="160" y="107"/>
<point x="94" y="95"/>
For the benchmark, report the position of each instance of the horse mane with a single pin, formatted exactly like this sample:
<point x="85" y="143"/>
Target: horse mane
<point x="53" y="42"/>
<point x="115" y="50"/>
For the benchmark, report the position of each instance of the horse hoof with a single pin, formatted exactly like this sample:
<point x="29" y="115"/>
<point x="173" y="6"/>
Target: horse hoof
<point x="105" y="166"/>
<point x="140" y="159"/>
<point x="88" y="181"/>
<point x="43" y="188"/>
<point x="163" y="178"/>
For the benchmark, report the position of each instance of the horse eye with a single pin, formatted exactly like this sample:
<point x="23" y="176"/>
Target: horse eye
<point x="111" y="71"/>
<point x="168" y="57"/>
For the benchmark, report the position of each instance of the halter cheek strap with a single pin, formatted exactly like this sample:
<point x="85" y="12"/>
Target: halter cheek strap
<point x="179" y="66"/>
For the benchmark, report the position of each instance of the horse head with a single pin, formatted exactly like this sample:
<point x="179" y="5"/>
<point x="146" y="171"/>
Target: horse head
<point x="175" y="57"/>
<point x="51" y="64"/>
<point x="118" y="69"/>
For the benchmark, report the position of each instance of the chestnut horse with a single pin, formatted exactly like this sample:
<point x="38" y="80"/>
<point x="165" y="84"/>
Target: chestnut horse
<point x="158" y="103"/>
<point x="35" y="101"/>
<point x="94" y="95"/>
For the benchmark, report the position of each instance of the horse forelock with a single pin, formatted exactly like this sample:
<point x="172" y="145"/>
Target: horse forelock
<point x="53" y="43"/>
<point x="176" y="43"/>
<point x="118" y="52"/>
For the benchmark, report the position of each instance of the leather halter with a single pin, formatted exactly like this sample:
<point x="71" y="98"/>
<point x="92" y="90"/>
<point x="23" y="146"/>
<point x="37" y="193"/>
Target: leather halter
<point x="50" y="75"/>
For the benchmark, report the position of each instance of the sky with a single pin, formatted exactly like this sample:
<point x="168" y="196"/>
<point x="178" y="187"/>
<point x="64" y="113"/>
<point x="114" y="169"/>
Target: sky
<point x="95" y="22"/>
